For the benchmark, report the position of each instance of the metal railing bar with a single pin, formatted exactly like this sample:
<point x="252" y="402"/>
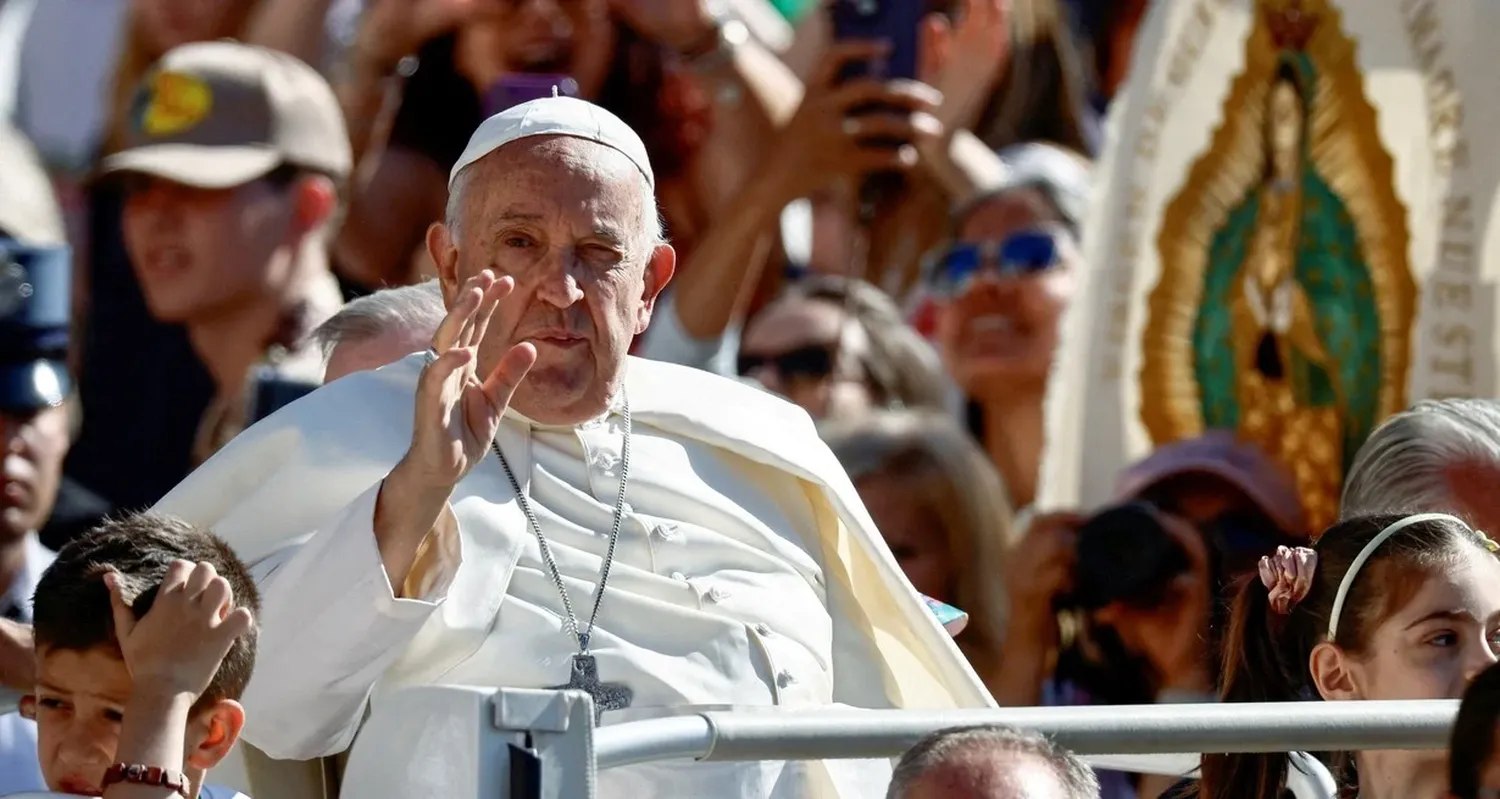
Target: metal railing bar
<point x="652" y="740"/>
<point x="1094" y="730"/>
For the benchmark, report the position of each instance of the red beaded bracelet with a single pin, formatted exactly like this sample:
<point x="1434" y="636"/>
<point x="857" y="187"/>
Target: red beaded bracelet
<point x="147" y="775"/>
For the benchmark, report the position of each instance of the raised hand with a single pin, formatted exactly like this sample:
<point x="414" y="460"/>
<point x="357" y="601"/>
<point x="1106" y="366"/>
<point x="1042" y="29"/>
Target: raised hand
<point x="680" y="25"/>
<point x="1039" y="563"/>
<point x="394" y="29"/>
<point x="966" y="61"/>
<point x="176" y="648"/>
<point x="458" y="409"/>
<point x="827" y="138"/>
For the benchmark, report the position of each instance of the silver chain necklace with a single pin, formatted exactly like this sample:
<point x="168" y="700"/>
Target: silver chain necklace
<point x="585" y="670"/>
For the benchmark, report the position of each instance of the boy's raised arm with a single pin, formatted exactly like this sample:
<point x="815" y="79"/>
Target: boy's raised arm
<point x="173" y="653"/>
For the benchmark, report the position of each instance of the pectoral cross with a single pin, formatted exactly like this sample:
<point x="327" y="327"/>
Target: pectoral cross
<point x="606" y="695"/>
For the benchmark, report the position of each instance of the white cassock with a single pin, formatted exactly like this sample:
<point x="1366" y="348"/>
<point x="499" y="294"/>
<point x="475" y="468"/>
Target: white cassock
<point x="747" y="574"/>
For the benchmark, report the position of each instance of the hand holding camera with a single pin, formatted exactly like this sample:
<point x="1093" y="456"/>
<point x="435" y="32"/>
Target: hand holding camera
<point x="1145" y="575"/>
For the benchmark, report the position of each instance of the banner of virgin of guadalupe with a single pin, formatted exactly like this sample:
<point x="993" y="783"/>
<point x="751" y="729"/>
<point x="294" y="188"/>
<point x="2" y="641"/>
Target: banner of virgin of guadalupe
<point x="1289" y="238"/>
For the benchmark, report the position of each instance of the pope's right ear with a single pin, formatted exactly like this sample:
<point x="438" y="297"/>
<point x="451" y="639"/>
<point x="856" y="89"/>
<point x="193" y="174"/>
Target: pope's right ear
<point x="27" y="707"/>
<point x="443" y="249"/>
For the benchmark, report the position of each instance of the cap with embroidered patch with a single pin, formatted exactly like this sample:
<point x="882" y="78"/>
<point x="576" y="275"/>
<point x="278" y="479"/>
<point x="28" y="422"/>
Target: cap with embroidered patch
<point x="221" y="114"/>
<point x="555" y="116"/>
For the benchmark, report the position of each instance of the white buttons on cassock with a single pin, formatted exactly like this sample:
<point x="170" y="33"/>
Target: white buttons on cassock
<point x="679" y="577"/>
<point x="717" y="594"/>
<point x="665" y="531"/>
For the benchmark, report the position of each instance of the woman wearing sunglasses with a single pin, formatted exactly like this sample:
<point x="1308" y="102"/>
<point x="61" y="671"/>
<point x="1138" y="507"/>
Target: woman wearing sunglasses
<point x="839" y="348"/>
<point x="996" y="295"/>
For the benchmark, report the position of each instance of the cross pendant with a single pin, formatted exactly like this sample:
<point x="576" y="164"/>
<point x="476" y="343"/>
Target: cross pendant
<point x="606" y="695"/>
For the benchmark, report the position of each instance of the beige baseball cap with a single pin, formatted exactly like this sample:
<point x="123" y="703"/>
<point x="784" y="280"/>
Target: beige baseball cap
<point x="221" y="114"/>
<point x="555" y="116"/>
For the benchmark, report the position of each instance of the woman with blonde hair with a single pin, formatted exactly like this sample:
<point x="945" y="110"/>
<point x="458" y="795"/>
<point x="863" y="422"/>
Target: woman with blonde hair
<point x="943" y="511"/>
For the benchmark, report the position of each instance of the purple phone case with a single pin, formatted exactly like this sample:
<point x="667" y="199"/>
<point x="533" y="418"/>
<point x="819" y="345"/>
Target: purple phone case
<point x="895" y="21"/>
<point x="512" y="90"/>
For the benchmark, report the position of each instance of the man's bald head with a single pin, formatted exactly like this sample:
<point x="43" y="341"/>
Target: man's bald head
<point x="990" y="762"/>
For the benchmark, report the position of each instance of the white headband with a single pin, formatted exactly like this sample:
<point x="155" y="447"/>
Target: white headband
<point x="1364" y="555"/>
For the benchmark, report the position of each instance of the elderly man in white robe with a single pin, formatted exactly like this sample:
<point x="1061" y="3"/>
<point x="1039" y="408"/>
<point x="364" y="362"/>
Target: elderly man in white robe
<point x="526" y="505"/>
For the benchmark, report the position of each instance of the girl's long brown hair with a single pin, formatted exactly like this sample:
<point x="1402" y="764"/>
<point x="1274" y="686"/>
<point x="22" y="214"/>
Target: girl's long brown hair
<point x="1266" y="655"/>
<point x="1042" y="96"/>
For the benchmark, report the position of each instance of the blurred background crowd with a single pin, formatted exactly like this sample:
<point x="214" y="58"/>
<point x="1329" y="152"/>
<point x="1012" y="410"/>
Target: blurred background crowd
<point x="882" y="225"/>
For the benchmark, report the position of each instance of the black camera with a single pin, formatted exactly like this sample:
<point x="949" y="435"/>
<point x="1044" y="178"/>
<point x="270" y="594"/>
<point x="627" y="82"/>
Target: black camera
<point x="1126" y="554"/>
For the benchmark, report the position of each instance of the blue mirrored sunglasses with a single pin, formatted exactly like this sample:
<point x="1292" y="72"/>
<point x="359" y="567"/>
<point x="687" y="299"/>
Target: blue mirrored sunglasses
<point x="1024" y="253"/>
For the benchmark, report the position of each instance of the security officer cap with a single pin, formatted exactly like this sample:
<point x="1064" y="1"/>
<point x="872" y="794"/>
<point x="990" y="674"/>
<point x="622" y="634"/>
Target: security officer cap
<point x="34" y="315"/>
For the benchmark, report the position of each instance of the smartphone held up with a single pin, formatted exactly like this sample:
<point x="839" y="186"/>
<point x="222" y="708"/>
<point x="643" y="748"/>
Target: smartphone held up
<point x="894" y="22"/>
<point x="897" y="25"/>
<point x="514" y="89"/>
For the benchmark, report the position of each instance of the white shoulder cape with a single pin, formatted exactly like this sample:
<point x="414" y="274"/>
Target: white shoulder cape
<point x="283" y="478"/>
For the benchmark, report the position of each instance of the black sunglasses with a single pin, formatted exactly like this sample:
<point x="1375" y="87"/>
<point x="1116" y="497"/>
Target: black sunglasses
<point x="813" y="362"/>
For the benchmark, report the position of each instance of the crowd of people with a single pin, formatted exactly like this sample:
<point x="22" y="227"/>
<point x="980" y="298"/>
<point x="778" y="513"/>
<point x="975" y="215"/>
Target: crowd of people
<point x="672" y="350"/>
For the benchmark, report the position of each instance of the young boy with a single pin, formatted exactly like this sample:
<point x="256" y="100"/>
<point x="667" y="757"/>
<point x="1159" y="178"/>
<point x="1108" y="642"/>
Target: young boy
<point x="144" y="641"/>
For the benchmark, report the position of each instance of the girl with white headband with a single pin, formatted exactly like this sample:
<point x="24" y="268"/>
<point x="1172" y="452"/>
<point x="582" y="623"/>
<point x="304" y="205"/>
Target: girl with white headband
<point x="1381" y="607"/>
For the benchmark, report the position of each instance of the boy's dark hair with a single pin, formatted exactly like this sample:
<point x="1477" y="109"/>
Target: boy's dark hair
<point x="1474" y="734"/>
<point x="71" y="608"/>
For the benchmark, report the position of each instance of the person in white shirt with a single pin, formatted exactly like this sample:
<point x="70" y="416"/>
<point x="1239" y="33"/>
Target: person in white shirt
<point x="456" y="517"/>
